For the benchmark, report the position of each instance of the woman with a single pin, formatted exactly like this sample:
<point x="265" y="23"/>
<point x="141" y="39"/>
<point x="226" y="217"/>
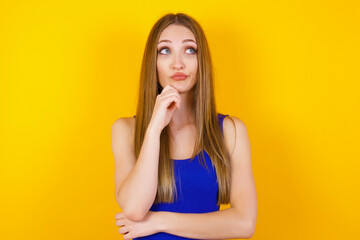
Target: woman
<point x="178" y="159"/>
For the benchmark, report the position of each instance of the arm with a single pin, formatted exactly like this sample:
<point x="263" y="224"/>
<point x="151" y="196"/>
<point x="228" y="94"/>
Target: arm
<point x="135" y="180"/>
<point x="236" y="222"/>
<point x="224" y="224"/>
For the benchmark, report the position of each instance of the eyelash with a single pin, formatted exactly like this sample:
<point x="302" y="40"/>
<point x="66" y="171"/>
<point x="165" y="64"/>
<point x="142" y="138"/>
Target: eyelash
<point x="159" y="51"/>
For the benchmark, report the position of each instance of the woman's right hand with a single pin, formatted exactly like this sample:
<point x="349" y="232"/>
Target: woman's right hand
<point x="166" y="103"/>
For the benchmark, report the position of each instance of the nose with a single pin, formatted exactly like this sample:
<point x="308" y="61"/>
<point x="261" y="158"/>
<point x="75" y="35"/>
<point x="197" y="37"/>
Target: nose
<point x="177" y="62"/>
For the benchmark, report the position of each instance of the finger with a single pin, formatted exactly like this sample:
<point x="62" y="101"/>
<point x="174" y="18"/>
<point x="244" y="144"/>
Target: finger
<point x="168" y="87"/>
<point x="123" y="230"/>
<point x="128" y="236"/>
<point x="119" y="215"/>
<point x="172" y="106"/>
<point x="120" y="223"/>
<point x="169" y="91"/>
<point x="170" y="99"/>
<point x="171" y="96"/>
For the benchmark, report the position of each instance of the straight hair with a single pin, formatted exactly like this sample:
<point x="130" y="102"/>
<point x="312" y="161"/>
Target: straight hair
<point x="208" y="133"/>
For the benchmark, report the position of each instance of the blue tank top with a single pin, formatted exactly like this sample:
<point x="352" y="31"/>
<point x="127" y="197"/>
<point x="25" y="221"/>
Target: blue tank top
<point x="197" y="189"/>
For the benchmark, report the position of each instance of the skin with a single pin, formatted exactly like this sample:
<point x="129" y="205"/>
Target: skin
<point x="178" y="56"/>
<point x="239" y="220"/>
<point x="177" y="50"/>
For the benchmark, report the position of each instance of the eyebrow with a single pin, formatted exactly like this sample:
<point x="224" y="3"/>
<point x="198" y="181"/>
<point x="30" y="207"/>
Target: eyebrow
<point x="185" y="40"/>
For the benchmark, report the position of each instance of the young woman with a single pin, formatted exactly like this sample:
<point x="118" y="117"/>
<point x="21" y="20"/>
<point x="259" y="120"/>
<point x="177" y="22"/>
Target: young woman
<point x="178" y="159"/>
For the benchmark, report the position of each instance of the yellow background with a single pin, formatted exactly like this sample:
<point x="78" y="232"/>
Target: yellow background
<point x="288" y="69"/>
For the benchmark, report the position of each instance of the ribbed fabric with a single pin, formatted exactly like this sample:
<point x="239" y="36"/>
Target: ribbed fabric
<point x="197" y="189"/>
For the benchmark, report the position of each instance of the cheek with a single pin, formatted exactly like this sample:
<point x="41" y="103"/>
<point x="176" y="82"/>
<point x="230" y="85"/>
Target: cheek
<point x="160" y="66"/>
<point x="194" y="65"/>
<point x="161" y="72"/>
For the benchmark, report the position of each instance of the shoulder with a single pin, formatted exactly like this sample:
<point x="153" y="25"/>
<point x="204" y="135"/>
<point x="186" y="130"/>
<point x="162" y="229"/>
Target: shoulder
<point x="235" y="132"/>
<point x="230" y="122"/>
<point x="123" y="127"/>
<point x="123" y="123"/>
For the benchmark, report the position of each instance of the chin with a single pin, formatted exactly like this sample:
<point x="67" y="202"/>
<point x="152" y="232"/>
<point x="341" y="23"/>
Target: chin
<point x="183" y="90"/>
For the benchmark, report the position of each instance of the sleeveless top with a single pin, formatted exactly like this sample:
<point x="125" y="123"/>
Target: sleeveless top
<point x="196" y="186"/>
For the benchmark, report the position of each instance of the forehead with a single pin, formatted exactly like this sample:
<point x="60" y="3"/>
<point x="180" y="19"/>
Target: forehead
<point x="176" y="33"/>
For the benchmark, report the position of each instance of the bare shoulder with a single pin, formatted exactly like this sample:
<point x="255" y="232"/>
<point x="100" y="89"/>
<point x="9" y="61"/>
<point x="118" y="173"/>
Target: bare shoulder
<point x="124" y="122"/>
<point x="122" y="135"/>
<point x="123" y="125"/>
<point x="235" y="133"/>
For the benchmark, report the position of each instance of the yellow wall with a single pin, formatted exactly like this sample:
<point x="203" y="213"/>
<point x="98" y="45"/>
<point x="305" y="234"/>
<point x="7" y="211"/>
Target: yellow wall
<point x="288" y="69"/>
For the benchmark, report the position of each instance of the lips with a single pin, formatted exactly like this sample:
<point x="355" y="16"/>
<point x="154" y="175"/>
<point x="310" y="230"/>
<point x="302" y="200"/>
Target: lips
<point x="179" y="76"/>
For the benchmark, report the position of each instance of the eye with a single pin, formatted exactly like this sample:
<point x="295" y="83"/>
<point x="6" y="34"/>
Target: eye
<point x="160" y="51"/>
<point x="193" y="50"/>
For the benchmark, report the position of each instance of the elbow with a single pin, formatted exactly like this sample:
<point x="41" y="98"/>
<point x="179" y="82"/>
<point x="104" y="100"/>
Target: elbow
<point x="131" y="212"/>
<point x="247" y="230"/>
<point x="134" y="216"/>
<point x="251" y="230"/>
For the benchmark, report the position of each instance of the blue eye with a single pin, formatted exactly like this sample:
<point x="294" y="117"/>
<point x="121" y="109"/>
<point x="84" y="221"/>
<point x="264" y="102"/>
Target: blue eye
<point x="165" y="48"/>
<point x="162" y="49"/>
<point x="193" y="50"/>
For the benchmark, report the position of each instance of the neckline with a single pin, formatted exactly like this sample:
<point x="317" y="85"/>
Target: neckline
<point x="180" y="159"/>
<point x="186" y="158"/>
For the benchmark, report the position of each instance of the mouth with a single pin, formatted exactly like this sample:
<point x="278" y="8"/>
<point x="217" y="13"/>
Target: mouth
<point x="179" y="78"/>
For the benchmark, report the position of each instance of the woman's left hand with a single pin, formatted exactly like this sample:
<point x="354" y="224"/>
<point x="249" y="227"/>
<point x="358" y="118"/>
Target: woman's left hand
<point x="131" y="229"/>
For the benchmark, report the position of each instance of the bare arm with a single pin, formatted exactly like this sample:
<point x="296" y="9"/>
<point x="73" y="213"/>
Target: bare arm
<point x="135" y="180"/>
<point x="224" y="224"/>
<point x="236" y="222"/>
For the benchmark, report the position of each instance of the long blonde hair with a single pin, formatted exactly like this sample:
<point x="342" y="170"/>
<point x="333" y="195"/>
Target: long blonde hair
<point x="208" y="136"/>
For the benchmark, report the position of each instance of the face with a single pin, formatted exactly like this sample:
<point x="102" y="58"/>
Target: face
<point x="177" y="50"/>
